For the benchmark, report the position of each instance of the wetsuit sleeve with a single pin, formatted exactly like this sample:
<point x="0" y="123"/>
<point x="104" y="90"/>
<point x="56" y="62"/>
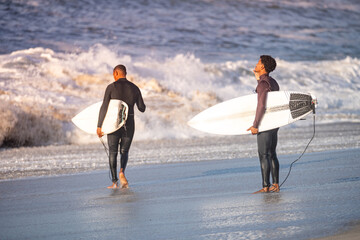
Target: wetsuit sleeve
<point x="262" y="91"/>
<point x="104" y="106"/>
<point x="140" y="102"/>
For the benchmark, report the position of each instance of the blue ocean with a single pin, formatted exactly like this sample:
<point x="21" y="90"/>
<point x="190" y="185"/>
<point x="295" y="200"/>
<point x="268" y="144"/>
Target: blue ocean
<point x="56" y="58"/>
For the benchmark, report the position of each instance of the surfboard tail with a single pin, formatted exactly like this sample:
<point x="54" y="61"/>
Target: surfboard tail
<point x="314" y="103"/>
<point x="301" y="104"/>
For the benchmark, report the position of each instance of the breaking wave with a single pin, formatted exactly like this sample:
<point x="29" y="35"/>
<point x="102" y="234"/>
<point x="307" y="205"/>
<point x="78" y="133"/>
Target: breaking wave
<point x="41" y="90"/>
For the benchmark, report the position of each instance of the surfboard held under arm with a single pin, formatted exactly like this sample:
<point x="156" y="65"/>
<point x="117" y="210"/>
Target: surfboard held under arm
<point x="115" y="117"/>
<point x="235" y="116"/>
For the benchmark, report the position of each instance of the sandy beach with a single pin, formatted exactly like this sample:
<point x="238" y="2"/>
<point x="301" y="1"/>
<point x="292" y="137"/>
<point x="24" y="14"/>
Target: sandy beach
<point x="189" y="200"/>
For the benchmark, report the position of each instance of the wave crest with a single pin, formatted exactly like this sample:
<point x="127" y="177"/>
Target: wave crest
<point x="41" y="90"/>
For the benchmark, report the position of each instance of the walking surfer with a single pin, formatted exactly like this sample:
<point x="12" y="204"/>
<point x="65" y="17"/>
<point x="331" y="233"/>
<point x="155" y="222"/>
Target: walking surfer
<point x="124" y="90"/>
<point x="266" y="140"/>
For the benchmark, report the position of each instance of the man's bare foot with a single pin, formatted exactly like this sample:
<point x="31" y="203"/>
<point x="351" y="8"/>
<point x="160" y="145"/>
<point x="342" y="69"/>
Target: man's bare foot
<point x="123" y="181"/>
<point x="274" y="188"/>
<point x="114" y="185"/>
<point x="263" y="190"/>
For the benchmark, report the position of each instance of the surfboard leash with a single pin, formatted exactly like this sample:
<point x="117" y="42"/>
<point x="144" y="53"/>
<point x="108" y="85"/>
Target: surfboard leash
<point x="302" y="152"/>
<point x="106" y="149"/>
<point x="107" y="153"/>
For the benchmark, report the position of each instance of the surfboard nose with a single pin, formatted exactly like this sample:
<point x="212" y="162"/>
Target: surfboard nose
<point x="192" y="123"/>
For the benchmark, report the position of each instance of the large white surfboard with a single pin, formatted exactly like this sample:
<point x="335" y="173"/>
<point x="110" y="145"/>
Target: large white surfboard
<point x="115" y="117"/>
<point x="235" y="116"/>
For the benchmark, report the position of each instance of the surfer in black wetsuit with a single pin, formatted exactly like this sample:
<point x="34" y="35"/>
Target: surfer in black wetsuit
<point x="124" y="90"/>
<point x="266" y="140"/>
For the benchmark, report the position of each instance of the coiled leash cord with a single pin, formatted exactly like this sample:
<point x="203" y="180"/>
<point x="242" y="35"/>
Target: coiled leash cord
<point x="302" y="152"/>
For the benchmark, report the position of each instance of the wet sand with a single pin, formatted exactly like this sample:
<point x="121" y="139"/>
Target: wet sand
<point x="351" y="233"/>
<point x="67" y="159"/>
<point x="189" y="200"/>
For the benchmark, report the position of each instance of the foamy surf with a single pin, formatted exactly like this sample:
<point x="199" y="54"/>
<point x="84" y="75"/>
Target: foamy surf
<point x="41" y="90"/>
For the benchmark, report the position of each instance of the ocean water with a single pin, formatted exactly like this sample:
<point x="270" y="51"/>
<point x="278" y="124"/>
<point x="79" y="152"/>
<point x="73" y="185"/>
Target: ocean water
<point x="56" y="58"/>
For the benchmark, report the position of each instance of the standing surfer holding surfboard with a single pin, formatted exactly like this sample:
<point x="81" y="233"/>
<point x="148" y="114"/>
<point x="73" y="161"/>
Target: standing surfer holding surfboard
<point x="266" y="140"/>
<point x="124" y="90"/>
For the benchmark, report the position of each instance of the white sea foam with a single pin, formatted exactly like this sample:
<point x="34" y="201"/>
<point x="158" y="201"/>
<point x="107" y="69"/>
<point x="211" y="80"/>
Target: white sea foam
<point x="41" y="90"/>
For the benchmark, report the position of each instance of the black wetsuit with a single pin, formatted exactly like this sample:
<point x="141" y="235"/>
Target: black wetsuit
<point x="267" y="140"/>
<point x="124" y="90"/>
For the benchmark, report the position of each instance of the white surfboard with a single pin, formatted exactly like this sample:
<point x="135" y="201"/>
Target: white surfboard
<point x="235" y="116"/>
<point x="115" y="117"/>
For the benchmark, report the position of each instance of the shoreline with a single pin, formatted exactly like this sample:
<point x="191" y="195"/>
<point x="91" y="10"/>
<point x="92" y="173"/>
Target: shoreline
<point x="36" y="174"/>
<point x="69" y="159"/>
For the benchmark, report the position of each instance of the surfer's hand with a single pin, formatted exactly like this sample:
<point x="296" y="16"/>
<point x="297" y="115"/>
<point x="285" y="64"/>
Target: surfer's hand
<point x="253" y="130"/>
<point x="99" y="132"/>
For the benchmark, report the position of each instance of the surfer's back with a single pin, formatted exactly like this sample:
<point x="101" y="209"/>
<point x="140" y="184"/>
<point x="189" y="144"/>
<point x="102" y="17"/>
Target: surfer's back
<point x="128" y="92"/>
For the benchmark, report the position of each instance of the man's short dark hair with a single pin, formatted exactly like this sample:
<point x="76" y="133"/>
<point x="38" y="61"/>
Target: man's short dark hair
<point x="268" y="62"/>
<point x="120" y="68"/>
